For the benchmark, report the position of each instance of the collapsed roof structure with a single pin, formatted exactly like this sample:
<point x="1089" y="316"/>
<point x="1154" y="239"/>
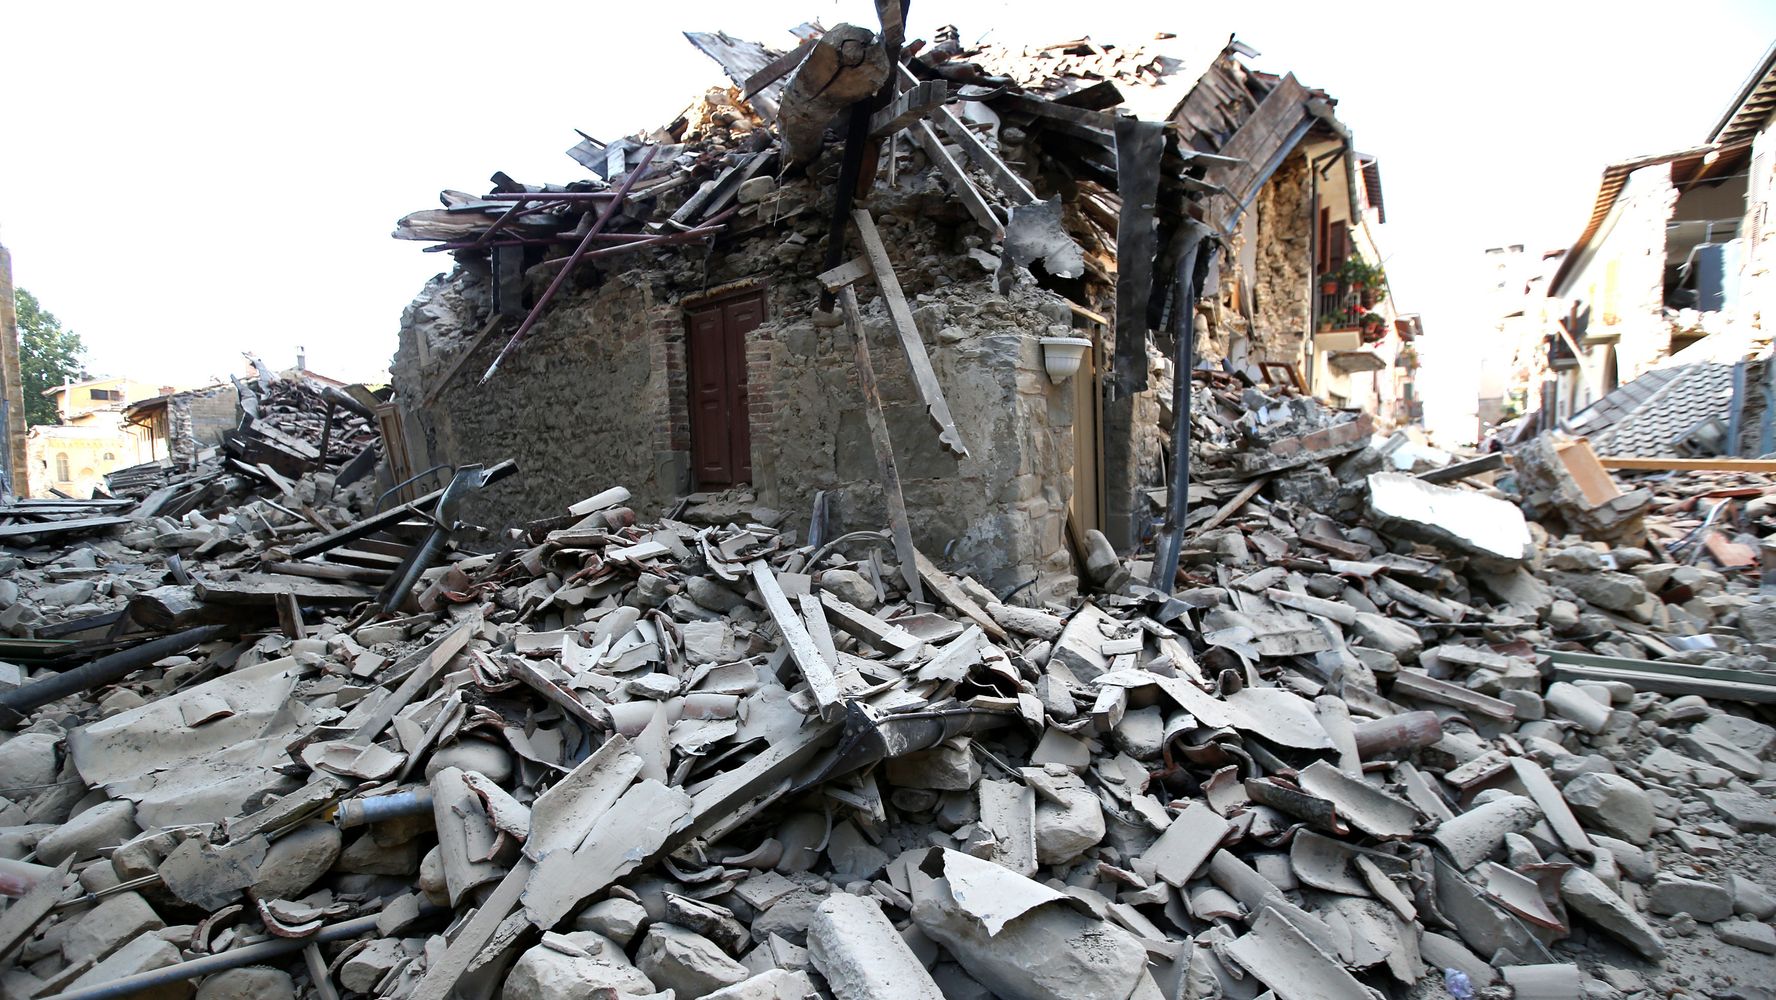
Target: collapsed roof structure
<point x="993" y="209"/>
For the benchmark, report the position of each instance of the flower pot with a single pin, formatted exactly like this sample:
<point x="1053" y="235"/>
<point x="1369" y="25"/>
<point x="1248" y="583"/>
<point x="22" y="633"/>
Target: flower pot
<point x="1367" y="298"/>
<point x="1328" y="288"/>
<point x="1061" y="356"/>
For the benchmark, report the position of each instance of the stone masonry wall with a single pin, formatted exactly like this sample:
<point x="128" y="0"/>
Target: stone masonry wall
<point x="596" y="396"/>
<point x="580" y="405"/>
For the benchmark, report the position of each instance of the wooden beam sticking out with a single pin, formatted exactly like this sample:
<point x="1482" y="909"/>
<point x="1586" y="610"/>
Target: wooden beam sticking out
<point x="1656" y="464"/>
<point x="775" y="70"/>
<point x="1233" y="505"/>
<point x="852" y="270"/>
<point x="908" y="106"/>
<point x="953" y="595"/>
<point x="924" y="378"/>
<point x="426" y="664"/>
<point x="823" y="683"/>
<point x="899" y="525"/>
<point x="1009" y="182"/>
<point x="972" y="199"/>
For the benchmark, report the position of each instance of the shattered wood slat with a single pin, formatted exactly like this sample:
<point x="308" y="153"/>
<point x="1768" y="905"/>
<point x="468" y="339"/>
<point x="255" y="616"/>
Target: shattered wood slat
<point x="425" y="664"/>
<point x="954" y="596"/>
<point x="1138" y="148"/>
<point x="1462" y="470"/>
<point x="1233" y="505"/>
<point x="899" y="525"/>
<point x="972" y="199"/>
<point x="851" y="271"/>
<point x="388" y="518"/>
<point x="924" y="378"/>
<point x="1260" y="142"/>
<point x="822" y="682"/>
<point x="265" y="590"/>
<point x="442" y="974"/>
<point x="60" y="527"/>
<point x="1009" y="182"/>
<point x="908" y="106"/>
<point x="461" y="361"/>
<point x="868" y="627"/>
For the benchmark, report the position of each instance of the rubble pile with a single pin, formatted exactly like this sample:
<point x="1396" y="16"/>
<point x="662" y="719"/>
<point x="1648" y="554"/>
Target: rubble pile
<point x="1403" y="744"/>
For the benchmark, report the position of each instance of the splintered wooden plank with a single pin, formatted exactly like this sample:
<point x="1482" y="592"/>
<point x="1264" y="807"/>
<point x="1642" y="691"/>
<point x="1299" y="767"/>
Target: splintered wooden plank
<point x="972" y="199"/>
<point x="1009" y="182"/>
<point x="425" y="666"/>
<point x="1257" y="142"/>
<point x="871" y="629"/>
<point x="924" y="378"/>
<point x="775" y="70"/>
<point x="853" y="270"/>
<point x="907" y="107"/>
<point x="442" y="974"/>
<point x="822" y="682"/>
<point x="898" y="523"/>
<point x="265" y="590"/>
<point x="954" y="596"/>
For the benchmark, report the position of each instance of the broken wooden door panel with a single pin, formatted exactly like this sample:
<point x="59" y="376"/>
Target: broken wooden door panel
<point x="721" y="430"/>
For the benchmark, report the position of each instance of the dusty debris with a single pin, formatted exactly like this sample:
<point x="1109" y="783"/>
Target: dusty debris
<point x="1357" y="733"/>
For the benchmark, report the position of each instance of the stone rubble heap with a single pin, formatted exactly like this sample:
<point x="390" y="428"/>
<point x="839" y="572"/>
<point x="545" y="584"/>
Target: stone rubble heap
<point x="624" y="759"/>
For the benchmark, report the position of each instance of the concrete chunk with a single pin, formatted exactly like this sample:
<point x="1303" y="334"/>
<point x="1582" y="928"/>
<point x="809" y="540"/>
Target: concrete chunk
<point x="862" y="956"/>
<point x="687" y="963"/>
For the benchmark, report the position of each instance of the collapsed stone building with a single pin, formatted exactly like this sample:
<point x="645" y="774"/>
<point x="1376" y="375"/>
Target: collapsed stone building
<point x="1025" y="199"/>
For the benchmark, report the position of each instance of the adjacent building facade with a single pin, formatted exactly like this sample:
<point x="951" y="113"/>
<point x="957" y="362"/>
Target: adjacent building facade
<point x="91" y="439"/>
<point x="1677" y="252"/>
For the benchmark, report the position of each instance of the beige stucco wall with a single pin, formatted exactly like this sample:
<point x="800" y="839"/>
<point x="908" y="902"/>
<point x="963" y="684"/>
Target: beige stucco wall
<point x="86" y="446"/>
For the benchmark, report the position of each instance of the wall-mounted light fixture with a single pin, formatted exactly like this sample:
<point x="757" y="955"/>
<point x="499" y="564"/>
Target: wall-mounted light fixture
<point x="1061" y="356"/>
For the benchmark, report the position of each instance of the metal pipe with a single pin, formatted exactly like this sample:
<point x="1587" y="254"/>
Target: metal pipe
<point x="1407" y="731"/>
<point x="380" y="808"/>
<point x="542" y="302"/>
<point x="16" y="703"/>
<point x="1193" y="264"/>
<point x="233" y="958"/>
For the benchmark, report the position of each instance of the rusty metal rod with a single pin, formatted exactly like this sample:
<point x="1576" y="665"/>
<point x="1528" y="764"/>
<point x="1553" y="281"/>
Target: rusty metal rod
<point x="542" y="303"/>
<point x="524" y="196"/>
<point x="709" y="228"/>
<point x="233" y="958"/>
<point x="500" y="223"/>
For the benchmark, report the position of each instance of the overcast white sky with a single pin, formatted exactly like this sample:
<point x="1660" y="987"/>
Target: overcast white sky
<point x="184" y="182"/>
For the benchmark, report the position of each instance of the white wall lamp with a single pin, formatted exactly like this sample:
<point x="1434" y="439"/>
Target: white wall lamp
<point x="1061" y="356"/>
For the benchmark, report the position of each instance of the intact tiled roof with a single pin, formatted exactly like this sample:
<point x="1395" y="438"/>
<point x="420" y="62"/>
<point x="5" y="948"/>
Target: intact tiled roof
<point x="1603" y="414"/>
<point x="1681" y="397"/>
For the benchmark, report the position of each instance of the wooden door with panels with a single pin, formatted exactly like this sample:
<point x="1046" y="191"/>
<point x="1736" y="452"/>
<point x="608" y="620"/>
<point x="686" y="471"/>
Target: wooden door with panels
<point x="715" y="348"/>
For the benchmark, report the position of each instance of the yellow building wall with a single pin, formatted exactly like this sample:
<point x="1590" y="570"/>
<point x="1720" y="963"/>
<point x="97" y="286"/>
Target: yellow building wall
<point x="74" y="458"/>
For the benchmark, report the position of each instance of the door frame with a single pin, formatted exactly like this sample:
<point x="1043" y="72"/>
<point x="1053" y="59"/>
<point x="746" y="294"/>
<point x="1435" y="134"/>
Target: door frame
<point x="719" y="297"/>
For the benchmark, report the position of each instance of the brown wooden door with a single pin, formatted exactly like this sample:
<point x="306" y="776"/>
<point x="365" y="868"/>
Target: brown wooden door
<point x="721" y="433"/>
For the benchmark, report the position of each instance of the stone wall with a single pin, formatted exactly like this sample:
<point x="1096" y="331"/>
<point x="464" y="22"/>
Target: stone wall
<point x="596" y="396"/>
<point x="1273" y="325"/>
